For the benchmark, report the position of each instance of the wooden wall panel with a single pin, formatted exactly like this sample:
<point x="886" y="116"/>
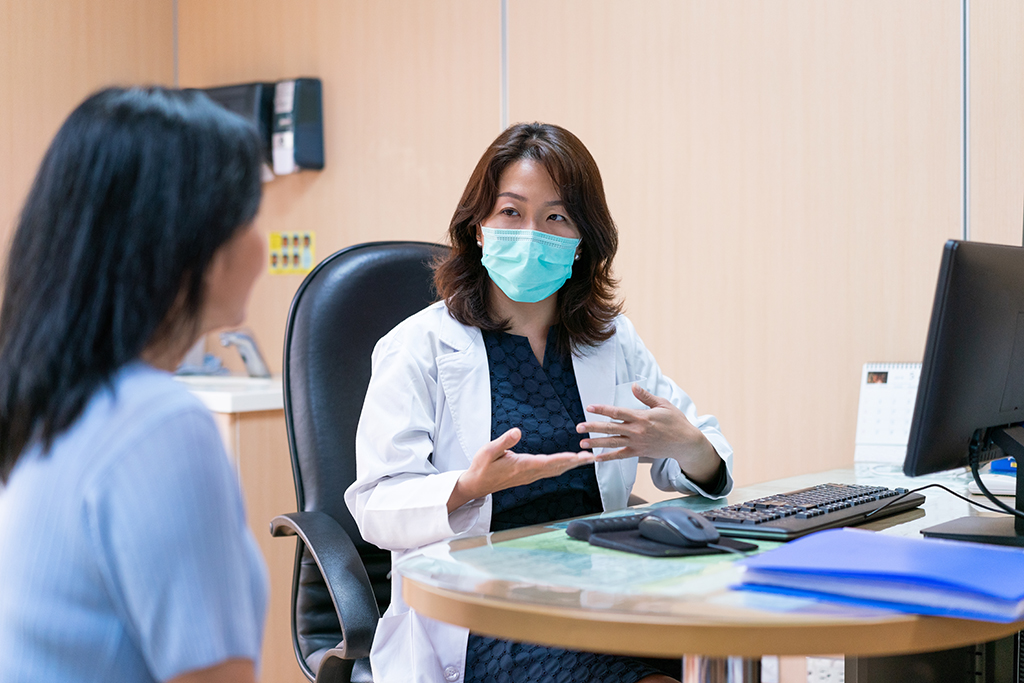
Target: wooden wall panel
<point x="410" y="103"/>
<point x="54" y="54"/>
<point x="997" y="121"/>
<point x="259" y="439"/>
<point x="783" y="175"/>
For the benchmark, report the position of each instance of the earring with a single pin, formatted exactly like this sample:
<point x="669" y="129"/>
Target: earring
<point x="576" y="257"/>
<point x="481" y="244"/>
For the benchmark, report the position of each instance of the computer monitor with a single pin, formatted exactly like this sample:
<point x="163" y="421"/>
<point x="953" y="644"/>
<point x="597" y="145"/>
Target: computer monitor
<point x="970" y="398"/>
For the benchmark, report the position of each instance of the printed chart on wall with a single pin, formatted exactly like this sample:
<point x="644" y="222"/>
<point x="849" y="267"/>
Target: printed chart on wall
<point x="887" y="395"/>
<point x="292" y="253"/>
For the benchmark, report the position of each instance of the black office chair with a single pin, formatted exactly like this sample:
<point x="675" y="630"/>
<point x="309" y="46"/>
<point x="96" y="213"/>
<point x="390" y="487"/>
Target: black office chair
<point x="340" y="586"/>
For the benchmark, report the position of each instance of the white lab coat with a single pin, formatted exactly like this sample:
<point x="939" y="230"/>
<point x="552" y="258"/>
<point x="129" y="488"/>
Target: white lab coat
<point x="427" y="412"/>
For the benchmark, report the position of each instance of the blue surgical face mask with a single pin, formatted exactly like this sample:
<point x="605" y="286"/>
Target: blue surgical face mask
<point x="527" y="265"/>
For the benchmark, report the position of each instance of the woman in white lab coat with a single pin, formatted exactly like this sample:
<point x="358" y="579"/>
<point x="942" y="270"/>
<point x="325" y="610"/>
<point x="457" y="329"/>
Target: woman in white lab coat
<point x="523" y="396"/>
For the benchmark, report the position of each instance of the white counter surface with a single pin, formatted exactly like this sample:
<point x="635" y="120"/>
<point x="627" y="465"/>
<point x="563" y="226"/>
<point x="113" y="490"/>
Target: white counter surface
<point x="235" y="394"/>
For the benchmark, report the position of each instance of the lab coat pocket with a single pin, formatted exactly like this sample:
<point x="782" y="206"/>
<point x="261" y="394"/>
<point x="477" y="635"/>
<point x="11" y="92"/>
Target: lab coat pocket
<point x="624" y="397"/>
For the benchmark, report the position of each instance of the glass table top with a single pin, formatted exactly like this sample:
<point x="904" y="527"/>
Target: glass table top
<point x="546" y="567"/>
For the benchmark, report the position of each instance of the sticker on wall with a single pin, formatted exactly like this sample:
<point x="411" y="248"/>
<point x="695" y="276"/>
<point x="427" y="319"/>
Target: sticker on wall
<point x="292" y="253"/>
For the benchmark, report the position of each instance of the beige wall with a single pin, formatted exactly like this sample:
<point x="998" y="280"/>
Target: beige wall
<point x="410" y="101"/>
<point x="53" y="54"/>
<point x="783" y="173"/>
<point x="997" y="121"/>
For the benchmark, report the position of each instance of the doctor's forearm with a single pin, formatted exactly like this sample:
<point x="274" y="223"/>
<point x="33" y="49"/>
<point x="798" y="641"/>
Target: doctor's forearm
<point x="700" y="462"/>
<point x="459" y="496"/>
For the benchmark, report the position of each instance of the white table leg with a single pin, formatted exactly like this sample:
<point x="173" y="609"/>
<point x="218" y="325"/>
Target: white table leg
<point x="698" y="669"/>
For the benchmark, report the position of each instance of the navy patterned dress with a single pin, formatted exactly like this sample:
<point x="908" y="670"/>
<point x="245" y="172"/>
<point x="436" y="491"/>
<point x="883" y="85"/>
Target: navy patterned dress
<point x="543" y="401"/>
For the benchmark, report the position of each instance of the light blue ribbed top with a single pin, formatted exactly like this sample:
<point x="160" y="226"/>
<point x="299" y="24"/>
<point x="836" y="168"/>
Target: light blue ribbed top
<point x="124" y="552"/>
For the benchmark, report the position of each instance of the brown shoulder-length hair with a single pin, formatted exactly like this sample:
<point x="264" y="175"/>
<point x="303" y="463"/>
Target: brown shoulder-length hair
<point x="587" y="305"/>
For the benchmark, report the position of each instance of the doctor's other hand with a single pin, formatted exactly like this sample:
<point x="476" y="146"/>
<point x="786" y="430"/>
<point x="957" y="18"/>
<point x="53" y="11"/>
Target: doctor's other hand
<point x="495" y="468"/>
<point x="663" y="431"/>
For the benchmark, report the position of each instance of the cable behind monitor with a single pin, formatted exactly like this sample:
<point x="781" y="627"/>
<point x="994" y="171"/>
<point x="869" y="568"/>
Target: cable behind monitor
<point x="1011" y="441"/>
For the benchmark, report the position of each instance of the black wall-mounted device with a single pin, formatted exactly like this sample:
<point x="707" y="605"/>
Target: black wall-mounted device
<point x="289" y="117"/>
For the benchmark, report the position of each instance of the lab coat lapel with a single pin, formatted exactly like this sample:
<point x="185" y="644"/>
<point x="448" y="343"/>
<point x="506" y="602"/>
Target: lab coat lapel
<point x="466" y="384"/>
<point x="595" y="377"/>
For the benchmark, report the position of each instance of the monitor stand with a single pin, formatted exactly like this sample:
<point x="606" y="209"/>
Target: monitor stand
<point x="1001" y="530"/>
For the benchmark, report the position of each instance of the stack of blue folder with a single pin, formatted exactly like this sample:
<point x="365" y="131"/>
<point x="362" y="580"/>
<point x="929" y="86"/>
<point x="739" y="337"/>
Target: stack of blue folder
<point x="916" y="575"/>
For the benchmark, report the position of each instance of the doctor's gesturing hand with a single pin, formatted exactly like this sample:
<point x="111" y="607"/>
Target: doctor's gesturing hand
<point x="663" y="431"/>
<point x="495" y="468"/>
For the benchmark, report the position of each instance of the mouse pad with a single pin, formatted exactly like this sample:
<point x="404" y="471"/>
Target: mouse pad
<point x="632" y="542"/>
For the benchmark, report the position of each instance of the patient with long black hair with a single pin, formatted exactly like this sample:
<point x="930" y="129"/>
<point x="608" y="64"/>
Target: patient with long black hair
<point x="124" y="550"/>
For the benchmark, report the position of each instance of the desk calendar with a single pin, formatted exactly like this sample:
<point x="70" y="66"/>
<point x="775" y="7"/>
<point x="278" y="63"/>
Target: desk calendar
<point x="887" y="395"/>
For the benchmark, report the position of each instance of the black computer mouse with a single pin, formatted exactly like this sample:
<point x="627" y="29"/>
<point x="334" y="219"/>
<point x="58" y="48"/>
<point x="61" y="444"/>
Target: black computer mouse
<point x="679" y="527"/>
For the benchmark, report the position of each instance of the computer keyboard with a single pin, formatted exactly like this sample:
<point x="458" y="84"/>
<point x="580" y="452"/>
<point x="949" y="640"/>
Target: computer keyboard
<point x="781" y="517"/>
<point x="786" y="516"/>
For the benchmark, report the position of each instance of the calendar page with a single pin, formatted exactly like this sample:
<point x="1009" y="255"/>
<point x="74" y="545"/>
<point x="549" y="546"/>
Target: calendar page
<point x="887" y="395"/>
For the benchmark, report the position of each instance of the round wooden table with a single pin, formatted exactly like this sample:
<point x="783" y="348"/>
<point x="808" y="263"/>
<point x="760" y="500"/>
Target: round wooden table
<point x="514" y="585"/>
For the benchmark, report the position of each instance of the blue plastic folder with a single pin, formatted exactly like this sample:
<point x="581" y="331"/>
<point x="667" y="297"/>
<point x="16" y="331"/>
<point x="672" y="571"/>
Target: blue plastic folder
<point x="915" y="575"/>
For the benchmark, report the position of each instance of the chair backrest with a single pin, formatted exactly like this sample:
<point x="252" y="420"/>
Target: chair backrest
<point x="340" y="311"/>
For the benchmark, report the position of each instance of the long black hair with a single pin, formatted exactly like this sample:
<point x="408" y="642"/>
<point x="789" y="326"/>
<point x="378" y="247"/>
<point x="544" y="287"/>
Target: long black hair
<point x="137" y="191"/>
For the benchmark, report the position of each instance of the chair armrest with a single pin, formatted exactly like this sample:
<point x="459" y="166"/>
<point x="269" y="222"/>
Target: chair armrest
<point x="343" y="573"/>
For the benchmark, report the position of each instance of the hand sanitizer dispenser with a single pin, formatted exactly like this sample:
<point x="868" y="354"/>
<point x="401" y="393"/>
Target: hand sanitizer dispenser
<point x="298" y="130"/>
